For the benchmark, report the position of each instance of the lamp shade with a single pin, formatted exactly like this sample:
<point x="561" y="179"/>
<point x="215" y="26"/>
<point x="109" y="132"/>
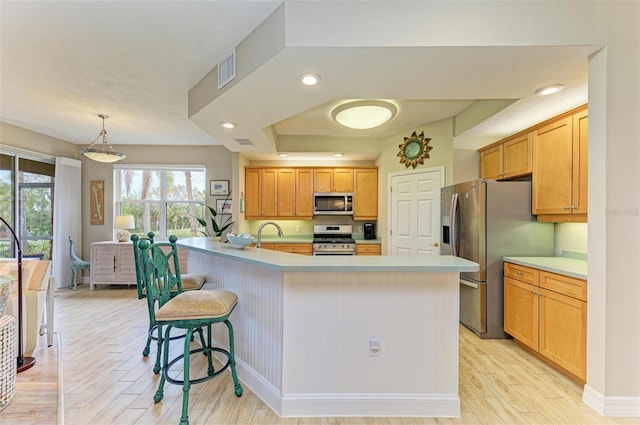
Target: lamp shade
<point x="124" y="222"/>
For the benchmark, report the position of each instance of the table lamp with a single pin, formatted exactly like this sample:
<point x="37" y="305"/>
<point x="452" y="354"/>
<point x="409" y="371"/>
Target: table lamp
<point x="122" y="223"/>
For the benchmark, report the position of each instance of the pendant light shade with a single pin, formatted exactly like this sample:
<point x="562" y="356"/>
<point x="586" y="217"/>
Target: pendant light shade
<point x="102" y="152"/>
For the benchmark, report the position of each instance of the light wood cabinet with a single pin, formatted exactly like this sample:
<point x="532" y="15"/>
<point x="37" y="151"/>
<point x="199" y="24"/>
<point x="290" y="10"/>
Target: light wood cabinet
<point x="333" y="180"/>
<point x="304" y="193"/>
<point x="365" y="194"/>
<point x="112" y="263"/>
<point x="368" y="249"/>
<point x="547" y="312"/>
<point x="560" y="168"/>
<point x="261" y="199"/>
<point x="292" y="248"/>
<point x="287" y="192"/>
<point x="509" y="158"/>
<point x="278" y="193"/>
<point x="295" y="248"/>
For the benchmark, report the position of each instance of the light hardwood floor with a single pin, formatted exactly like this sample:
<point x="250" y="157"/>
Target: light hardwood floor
<point x="107" y="381"/>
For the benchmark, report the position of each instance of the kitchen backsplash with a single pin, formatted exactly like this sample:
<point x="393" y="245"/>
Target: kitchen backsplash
<point x="570" y="237"/>
<point x="305" y="227"/>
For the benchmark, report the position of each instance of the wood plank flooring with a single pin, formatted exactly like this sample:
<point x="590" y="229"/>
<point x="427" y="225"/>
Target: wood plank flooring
<point x="107" y="381"/>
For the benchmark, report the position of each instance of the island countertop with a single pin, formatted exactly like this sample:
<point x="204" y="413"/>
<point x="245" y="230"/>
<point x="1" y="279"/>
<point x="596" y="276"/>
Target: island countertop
<point x="286" y="262"/>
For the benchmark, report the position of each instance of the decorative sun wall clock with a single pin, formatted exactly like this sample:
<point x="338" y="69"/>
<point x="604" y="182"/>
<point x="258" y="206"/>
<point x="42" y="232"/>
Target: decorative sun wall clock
<point x="414" y="149"/>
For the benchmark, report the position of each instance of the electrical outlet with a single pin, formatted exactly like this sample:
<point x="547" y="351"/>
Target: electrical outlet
<point x="297" y="229"/>
<point x="359" y="229"/>
<point x="374" y="347"/>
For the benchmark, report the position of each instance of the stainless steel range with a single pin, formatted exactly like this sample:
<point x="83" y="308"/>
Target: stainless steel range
<point x="333" y="240"/>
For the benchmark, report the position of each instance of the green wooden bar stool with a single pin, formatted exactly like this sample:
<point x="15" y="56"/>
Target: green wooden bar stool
<point x="77" y="265"/>
<point x="190" y="311"/>
<point x="186" y="282"/>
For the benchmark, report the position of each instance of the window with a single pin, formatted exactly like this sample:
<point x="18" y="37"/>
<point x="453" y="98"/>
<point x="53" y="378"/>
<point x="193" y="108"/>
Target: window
<point x="32" y="216"/>
<point x="164" y="200"/>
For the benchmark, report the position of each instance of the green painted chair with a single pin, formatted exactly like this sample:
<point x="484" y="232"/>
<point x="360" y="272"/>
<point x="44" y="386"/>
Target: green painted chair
<point x="190" y="311"/>
<point x="77" y="265"/>
<point x="184" y="283"/>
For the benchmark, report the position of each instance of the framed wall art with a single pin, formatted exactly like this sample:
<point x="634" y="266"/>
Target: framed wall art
<point x="218" y="187"/>
<point x="97" y="201"/>
<point x="223" y="206"/>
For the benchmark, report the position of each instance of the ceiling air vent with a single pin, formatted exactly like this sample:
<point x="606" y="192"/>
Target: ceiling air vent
<point x="244" y="142"/>
<point x="227" y="69"/>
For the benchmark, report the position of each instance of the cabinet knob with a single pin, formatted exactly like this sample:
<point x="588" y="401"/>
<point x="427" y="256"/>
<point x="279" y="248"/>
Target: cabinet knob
<point x="436" y="244"/>
<point x="518" y="273"/>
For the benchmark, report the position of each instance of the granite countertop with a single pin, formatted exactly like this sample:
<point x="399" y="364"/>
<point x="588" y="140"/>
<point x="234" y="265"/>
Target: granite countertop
<point x="286" y="262"/>
<point x="569" y="264"/>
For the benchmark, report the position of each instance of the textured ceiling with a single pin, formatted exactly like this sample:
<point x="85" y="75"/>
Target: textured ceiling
<point x="63" y="63"/>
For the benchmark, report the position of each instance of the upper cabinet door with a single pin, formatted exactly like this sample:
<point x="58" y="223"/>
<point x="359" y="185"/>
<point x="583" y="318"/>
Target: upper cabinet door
<point x="286" y="192"/>
<point x="365" y="194"/>
<point x="304" y="193"/>
<point x="322" y="180"/>
<point x="553" y="168"/>
<point x="491" y="166"/>
<point x="333" y="180"/>
<point x="518" y="156"/>
<point x="580" y="163"/>
<point x="342" y="180"/>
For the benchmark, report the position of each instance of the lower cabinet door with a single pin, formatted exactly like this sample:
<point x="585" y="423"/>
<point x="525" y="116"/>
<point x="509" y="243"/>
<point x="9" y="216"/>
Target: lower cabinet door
<point x="563" y="331"/>
<point x="521" y="312"/>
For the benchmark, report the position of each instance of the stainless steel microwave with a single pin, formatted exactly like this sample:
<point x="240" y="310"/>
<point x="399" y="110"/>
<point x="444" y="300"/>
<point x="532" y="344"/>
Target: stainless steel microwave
<point x="333" y="203"/>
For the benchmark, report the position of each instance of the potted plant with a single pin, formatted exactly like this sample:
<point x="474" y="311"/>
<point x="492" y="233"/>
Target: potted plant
<point x="217" y="226"/>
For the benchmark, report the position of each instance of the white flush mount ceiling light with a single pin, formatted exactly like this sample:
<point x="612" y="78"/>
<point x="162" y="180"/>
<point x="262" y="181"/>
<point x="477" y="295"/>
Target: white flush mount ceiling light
<point x="283" y="155"/>
<point x="103" y="152"/>
<point x="545" y="91"/>
<point x="338" y="154"/>
<point x="364" y="114"/>
<point x="309" y="79"/>
<point x="227" y="125"/>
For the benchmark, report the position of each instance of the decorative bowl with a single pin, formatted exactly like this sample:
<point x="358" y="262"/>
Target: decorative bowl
<point x="240" y="240"/>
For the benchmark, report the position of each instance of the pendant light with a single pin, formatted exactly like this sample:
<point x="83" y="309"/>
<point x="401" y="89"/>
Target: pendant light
<point x="103" y="152"/>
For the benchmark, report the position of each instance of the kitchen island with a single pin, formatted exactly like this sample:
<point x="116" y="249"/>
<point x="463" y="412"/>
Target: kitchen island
<point x="341" y="335"/>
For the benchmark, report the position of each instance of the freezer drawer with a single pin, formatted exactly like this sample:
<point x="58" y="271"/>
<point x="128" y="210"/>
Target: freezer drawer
<point x="473" y="311"/>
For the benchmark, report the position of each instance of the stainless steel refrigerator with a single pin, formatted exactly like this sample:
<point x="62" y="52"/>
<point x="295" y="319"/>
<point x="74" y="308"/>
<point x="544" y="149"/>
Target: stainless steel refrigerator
<point x="484" y="221"/>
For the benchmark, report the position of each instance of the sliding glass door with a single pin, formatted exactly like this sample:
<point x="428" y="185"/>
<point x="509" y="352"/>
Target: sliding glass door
<point x="32" y="215"/>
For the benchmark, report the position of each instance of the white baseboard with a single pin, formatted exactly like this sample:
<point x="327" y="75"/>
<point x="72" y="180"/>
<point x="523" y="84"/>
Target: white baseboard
<point x="378" y="405"/>
<point x="328" y="405"/>
<point x="614" y="407"/>
<point x="259" y="386"/>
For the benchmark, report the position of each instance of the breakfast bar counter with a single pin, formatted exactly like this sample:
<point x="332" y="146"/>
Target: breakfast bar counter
<point x="341" y="335"/>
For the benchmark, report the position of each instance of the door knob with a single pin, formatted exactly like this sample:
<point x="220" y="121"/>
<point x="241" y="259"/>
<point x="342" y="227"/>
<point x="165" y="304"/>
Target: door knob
<point x="436" y="244"/>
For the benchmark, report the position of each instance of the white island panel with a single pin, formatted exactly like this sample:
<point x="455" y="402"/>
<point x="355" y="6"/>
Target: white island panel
<point x="303" y="325"/>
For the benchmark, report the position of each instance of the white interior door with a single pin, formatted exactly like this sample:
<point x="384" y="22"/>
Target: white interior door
<point x="414" y="212"/>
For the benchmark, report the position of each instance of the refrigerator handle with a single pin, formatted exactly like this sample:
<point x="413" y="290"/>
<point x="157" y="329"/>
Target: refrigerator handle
<point x="470" y="284"/>
<point x="454" y="224"/>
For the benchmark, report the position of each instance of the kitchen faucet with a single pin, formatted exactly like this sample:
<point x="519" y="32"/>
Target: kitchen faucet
<point x="280" y="234"/>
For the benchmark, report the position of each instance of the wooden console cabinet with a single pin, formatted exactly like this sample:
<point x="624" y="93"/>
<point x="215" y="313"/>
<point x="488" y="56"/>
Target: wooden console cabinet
<point x="112" y="263"/>
<point x="547" y="312"/>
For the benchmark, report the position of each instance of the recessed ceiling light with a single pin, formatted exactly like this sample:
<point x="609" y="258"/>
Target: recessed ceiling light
<point x="283" y="155"/>
<point x="364" y="114"/>
<point x="309" y="79"/>
<point x="545" y="91"/>
<point x="338" y="154"/>
<point x="228" y="125"/>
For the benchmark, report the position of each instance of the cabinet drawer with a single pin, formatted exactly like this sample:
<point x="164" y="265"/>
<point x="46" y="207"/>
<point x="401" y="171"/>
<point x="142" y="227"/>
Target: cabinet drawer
<point x="368" y="249"/>
<point x="522" y="273"/>
<point x="569" y="286"/>
<point x="296" y="248"/>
